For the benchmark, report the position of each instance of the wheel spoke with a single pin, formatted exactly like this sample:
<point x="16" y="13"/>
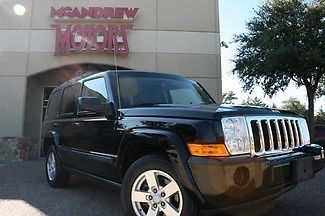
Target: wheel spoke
<point x="152" y="212"/>
<point x="151" y="179"/>
<point x="139" y="196"/>
<point x="170" y="189"/>
<point x="169" y="210"/>
<point x="52" y="158"/>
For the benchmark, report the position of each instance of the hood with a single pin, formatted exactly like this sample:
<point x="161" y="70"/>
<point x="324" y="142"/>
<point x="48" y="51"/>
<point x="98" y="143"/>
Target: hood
<point x="212" y="111"/>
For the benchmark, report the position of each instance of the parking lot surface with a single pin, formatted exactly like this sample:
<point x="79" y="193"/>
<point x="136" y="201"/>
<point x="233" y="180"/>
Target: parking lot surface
<point x="24" y="191"/>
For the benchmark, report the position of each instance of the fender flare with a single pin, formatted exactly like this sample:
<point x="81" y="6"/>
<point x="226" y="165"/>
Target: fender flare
<point x="172" y="144"/>
<point x="51" y="135"/>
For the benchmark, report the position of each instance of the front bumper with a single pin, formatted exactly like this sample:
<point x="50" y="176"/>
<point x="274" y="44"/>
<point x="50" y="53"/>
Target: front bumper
<point x="238" y="180"/>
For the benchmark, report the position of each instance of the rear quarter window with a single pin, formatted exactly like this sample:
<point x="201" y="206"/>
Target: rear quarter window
<point x="53" y="106"/>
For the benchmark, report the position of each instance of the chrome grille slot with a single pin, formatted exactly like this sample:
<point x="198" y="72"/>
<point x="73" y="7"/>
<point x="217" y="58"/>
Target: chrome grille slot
<point x="274" y="134"/>
<point x="299" y="133"/>
<point x="290" y="133"/>
<point x="295" y="133"/>
<point x="265" y="132"/>
<point x="256" y="136"/>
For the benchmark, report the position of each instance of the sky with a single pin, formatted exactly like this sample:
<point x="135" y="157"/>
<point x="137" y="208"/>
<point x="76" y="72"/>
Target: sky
<point x="233" y="16"/>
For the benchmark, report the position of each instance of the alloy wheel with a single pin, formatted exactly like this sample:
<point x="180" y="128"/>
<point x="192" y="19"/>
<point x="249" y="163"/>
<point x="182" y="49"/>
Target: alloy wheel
<point x="51" y="166"/>
<point x="156" y="193"/>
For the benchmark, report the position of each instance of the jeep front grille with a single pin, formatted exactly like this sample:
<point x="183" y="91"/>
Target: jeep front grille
<point x="275" y="134"/>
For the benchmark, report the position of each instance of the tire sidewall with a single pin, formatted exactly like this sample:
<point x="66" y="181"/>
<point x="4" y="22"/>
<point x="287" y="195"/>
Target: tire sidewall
<point x="51" y="149"/>
<point x="151" y="162"/>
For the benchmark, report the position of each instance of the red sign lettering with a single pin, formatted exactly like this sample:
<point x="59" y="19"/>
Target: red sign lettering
<point x="95" y="12"/>
<point x="108" y="38"/>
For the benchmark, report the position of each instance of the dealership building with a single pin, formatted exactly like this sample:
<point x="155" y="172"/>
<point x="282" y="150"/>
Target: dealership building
<point x="44" y="43"/>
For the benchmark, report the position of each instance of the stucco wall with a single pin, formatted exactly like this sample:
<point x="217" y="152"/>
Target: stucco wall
<point x="12" y="100"/>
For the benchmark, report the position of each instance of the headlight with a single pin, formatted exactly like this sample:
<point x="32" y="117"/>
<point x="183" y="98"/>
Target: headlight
<point x="236" y="135"/>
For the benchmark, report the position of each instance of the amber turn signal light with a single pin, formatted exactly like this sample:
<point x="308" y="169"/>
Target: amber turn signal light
<point x="208" y="150"/>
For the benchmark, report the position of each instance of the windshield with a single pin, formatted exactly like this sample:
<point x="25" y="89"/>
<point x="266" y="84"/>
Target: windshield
<point x="142" y="90"/>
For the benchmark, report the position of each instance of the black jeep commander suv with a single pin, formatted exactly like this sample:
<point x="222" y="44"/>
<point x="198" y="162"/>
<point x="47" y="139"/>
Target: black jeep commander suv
<point x="170" y="148"/>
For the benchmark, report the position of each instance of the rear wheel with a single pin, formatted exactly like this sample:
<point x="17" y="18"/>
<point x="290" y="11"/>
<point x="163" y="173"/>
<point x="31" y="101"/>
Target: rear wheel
<point x="151" y="187"/>
<point x="55" y="173"/>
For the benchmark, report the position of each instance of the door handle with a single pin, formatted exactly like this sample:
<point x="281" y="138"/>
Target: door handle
<point x="57" y="124"/>
<point x="77" y="124"/>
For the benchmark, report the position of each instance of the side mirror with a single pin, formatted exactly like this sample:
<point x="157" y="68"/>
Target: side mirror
<point x="94" y="104"/>
<point x="91" y="104"/>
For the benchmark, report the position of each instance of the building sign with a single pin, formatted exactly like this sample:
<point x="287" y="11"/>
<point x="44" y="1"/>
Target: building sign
<point x="109" y="34"/>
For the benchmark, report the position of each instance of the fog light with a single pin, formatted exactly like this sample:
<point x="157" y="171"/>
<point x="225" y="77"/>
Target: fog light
<point x="241" y="176"/>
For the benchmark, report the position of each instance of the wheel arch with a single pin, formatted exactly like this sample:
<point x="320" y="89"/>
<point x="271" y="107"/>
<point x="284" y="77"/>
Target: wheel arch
<point x="140" y="142"/>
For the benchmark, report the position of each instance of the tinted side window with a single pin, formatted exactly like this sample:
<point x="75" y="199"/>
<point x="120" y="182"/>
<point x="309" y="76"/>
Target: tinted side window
<point x="95" y="88"/>
<point x="69" y="99"/>
<point x="53" y="107"/>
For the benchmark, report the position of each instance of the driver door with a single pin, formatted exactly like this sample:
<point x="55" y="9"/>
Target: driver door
<point x="96" y="135"/>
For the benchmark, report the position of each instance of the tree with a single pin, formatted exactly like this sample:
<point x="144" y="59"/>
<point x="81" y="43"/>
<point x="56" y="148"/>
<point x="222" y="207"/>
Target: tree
<point x="229" y="97"/>
<point x="321" y="90"/>
<point x="274" y="106"/>
<point x="320" y="117"/>
<point x="296" y="106"/>
<point x="254" y="102"/>
<point x="285" y="42"/>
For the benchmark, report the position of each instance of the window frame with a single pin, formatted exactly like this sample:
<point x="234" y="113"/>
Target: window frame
<point x="70" y="114"/>
<point x="87" y="113"/>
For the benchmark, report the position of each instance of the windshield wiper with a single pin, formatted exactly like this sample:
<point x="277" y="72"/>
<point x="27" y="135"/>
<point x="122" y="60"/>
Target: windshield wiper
<point x="144" y="105"/>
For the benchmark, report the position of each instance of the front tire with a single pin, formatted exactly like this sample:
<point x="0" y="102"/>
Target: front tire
<point x="151" y="187"/>
<point x="56" y="175"/>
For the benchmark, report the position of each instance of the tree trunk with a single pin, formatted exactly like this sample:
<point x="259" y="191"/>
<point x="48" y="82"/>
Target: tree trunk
<point x="311" y="111"/>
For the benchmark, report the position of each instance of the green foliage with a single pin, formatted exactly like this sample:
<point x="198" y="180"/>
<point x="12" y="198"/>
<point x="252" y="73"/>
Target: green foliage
<point x="285" y="41"/>
<point x="254" y="102"/>
<point x="274" y="106"/>
<point x="320" y="117"/>
<point x="229" y="97"/>
<point x="296" y="106"/>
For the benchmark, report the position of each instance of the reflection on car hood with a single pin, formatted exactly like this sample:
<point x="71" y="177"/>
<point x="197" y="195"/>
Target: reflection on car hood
<point x="212" y="111"/>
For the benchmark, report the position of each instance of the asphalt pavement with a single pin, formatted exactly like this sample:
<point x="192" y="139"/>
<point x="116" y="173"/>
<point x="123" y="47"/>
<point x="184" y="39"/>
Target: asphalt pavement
<point x="25" y="192"/>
